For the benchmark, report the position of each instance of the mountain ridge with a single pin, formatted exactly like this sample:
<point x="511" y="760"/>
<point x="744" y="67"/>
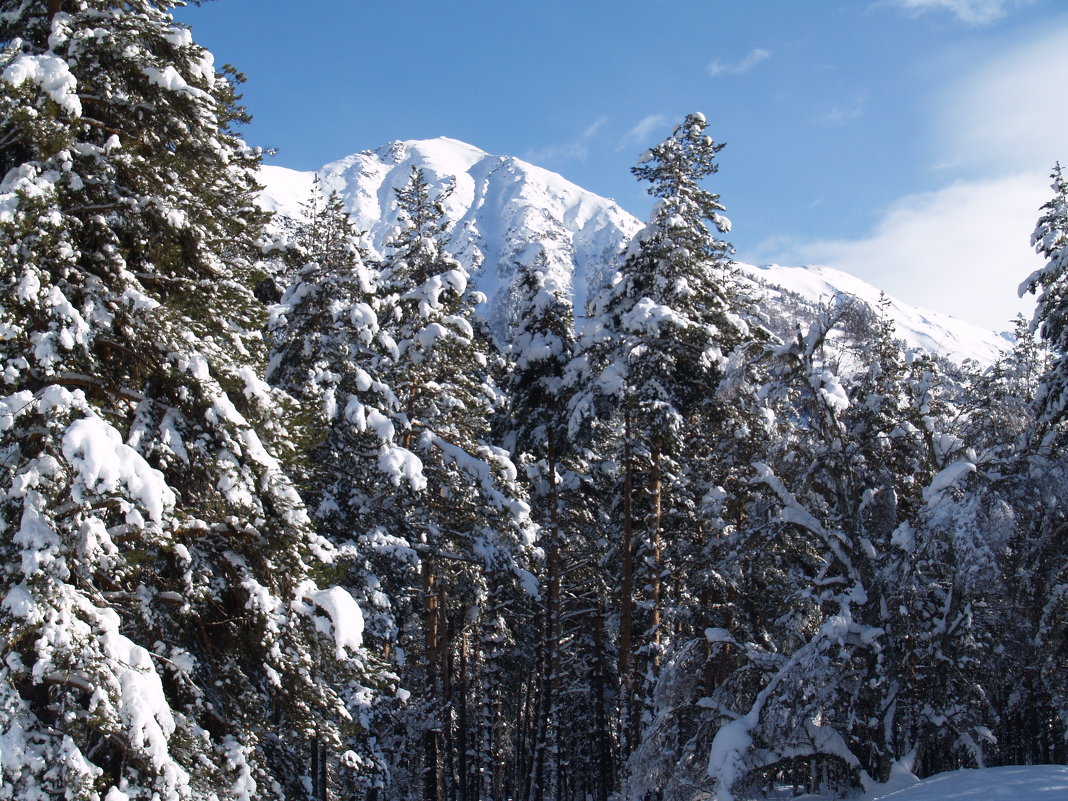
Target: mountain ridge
<point x="504" y="211"/>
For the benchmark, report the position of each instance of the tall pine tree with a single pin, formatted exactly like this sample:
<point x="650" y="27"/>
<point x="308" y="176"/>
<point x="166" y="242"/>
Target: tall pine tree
<point x="1050" y="284"/>
<point x="653" y="359"/>
<point x="468" y="526"/>
<point x="159" y="571"/>
<point x="1047" y="570"/>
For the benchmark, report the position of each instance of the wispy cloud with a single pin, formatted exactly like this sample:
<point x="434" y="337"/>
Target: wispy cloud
<point x="974" y="12"/>
<point x="963" y="249"/>
<point x="966" y="246"/>
<point x="1008" y="112"/>
<point x="641" y="134"/>
<point x="575" y="150"/>
<point x="752" y="58"/>
<point x="843" y="113"/>
<point x="594" y="127"/>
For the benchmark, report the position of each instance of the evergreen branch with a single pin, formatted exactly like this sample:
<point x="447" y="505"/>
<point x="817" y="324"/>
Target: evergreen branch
<point x="69" y="679"/>
<point x="421" y="548"/>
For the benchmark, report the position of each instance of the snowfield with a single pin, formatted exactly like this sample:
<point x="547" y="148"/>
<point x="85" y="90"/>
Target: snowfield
<point x="1011" y="783"/>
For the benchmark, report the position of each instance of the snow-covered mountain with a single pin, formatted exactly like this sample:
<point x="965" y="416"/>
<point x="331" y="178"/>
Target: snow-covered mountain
<point x="505" y="211"/>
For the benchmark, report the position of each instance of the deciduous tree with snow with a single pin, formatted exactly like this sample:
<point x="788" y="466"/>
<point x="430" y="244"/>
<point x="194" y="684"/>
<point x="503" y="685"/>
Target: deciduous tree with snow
<point x="857" y="640"/>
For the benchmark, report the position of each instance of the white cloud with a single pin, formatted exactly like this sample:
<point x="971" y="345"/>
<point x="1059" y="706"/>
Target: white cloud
<point x="646" y="129"/>
<point x="965" y="248"/>
<point x="752" y="58"/>
<point x="575" y="150"/>
<point x="974" y="12"/>
<point x="594" y="127"/>
<point x="1010" y="113"/>
<point x="962" y="250"/>
<point x="843" y="113"/>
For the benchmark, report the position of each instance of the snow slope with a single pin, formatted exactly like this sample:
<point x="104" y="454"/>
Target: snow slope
<point x="505" y="211"/>
<point x="1012" y="783"/>
<point x="919" y="328"/>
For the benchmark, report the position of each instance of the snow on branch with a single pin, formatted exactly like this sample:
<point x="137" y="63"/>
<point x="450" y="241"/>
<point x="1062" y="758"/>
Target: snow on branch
<point x="51" y="74"/>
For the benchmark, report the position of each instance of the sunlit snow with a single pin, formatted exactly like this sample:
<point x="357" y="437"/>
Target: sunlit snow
<point x="505" y="212"/>
<point x="1012" y="783"/>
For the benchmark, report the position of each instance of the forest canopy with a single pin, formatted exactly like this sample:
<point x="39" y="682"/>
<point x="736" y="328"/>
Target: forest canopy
<point x="281" y="517"/>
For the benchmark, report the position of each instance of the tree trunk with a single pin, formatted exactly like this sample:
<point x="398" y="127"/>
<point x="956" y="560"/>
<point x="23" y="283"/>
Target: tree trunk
<point x="657" y="486"/>
<point x="433" y="758"/>
<point x="537" y="707"/>
<point x="318" y="770"/>
<point x="602" y="735"/>
<point x="626" y="600"/>
<point x="549" y="742"/>
<point x="463" y="742"/>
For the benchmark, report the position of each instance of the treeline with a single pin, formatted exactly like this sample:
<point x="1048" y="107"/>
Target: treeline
<point x="280" y="518"/>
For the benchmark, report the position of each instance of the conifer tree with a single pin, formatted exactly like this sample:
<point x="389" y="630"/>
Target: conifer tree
<point x="329" y="354"/>
<point x="570" y="735"/>
<point x="542" y="346"/>
<point x="469" y="526"/>
<point x="1007" y="509"/>
<point x="1050" y="283"/>
<point x="159" y="570"/>
<point x="1048" y="535"/>
<point x="656" y="352"/>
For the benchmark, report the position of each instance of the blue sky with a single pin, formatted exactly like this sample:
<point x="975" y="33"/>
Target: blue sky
<point x="906" y="141"/>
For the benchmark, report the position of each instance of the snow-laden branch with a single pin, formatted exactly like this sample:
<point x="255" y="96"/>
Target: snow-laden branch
<point x="794" y="512"/>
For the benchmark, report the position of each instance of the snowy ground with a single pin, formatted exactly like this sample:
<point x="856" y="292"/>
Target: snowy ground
<point x="1013" y="783"/>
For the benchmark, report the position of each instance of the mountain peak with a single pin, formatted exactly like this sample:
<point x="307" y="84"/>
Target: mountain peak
<point x="440" y="154"/>
<point x="504" y="210"/>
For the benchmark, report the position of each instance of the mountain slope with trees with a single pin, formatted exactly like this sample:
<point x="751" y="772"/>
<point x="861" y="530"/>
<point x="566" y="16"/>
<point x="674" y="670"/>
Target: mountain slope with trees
<point x="504" y="211"/>
<point x="290" y="509"/>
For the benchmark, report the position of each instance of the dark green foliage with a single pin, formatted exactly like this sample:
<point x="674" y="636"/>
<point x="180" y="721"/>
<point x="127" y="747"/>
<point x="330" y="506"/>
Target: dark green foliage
<point x="1046" y="535"/>
<point x="756" y="561"/>
<point x="464" y="524"/>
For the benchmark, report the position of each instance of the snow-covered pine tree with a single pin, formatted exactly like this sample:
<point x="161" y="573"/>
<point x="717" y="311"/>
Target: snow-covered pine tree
<point x="1007" y="571"/>
<point x="655" y="353"/>
<point x="542" y="346"/>
<point x="568" y="731"/>
<point x="1050" y="284"/>
<point x="328" y="353"/>
<point x="1047" y="534"/>
<point x="163" y="632"/>
<point x="469" y="525"/>
<point x="1000" y="401"/>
